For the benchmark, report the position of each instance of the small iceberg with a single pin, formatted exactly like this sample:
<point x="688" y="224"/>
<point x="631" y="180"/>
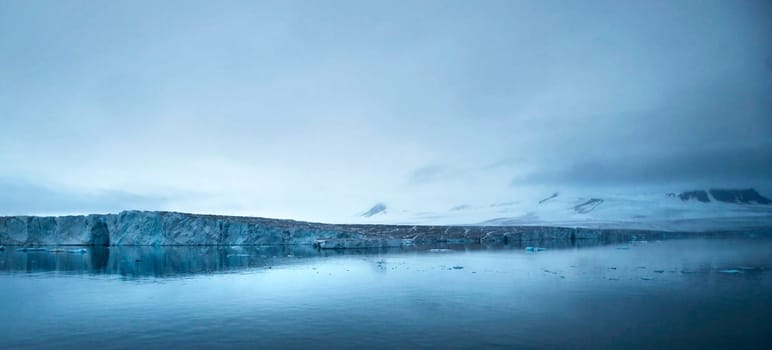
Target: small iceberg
<point x="730" y="271"/>
<point x="535" y="249"/>
<point x="30" y="249"/>
<point x="440" y="250"/>
<point x="78" y="251"/>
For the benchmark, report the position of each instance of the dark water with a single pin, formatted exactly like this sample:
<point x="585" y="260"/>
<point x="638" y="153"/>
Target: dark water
<point x="697" y="293"/>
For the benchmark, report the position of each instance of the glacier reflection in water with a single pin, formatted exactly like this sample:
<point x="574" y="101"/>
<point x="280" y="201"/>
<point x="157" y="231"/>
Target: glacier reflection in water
<point x="692" y="293"/>
<point x="170" y="261"/>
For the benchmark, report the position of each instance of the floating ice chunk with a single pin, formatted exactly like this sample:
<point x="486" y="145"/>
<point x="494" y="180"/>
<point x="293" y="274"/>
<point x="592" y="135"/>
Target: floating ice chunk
<point x="30" y="249"/>
<point x="730" y="271"/>
<point x="78" y="251"/>
<point x="440" y="250"/>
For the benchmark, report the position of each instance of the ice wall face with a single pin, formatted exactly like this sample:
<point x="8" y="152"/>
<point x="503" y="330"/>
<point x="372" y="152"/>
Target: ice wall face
<point x="158" y="228"/>
<point x="166" y="228"/>
<point x="64" y="230"/>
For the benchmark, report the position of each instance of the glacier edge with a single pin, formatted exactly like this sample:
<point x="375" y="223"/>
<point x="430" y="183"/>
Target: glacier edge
<point x="156" y="228"/>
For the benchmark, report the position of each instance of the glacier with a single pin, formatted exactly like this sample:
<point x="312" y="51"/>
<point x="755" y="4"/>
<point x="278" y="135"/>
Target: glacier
<point x="598" y="218"/>
<point x="156" y="228"/>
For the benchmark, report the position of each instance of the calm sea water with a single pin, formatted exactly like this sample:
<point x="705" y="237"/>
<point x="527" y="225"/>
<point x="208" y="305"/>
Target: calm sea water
<point x="696" y="293"/>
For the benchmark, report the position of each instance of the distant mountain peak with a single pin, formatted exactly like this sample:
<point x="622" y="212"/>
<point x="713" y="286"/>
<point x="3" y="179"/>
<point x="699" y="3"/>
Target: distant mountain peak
<point x="736" y="196"/>
<point x="378" y="208"/>
<point x="742" y="196"/>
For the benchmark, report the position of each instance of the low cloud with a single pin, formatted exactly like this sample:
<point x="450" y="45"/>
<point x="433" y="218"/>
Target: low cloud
<point x="19" y="197"/>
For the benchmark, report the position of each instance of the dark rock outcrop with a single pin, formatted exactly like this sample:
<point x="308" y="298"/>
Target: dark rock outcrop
<point x="744" y="196"/>
<point x="741" y="196"/>
<point x="552" y="196"/>
<point x="379" y="208"/>
<point x="699" y="195"/>
<point x="588" y="206"/>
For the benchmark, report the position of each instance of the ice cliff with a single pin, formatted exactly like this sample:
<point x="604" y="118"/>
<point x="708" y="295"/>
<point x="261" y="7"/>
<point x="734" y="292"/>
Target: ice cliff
<point x="171" y="228"/>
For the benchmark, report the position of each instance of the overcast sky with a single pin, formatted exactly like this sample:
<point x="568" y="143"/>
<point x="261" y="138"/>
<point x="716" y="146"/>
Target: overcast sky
<point x="319" y="109"/>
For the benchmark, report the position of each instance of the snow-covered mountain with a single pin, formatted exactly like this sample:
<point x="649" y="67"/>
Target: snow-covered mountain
<point x="692" y="210"/>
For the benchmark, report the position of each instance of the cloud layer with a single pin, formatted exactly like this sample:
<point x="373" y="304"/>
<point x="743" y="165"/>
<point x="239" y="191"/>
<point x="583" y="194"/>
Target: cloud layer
<point x="320" y="110"/>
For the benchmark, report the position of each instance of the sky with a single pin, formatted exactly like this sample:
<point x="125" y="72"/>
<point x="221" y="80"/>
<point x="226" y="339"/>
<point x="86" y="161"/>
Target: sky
<point x="317" y="110"/>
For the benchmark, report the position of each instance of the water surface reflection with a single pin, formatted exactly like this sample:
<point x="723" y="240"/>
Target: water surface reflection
<point x="170" y="261"/>
<point x="692" y="293"/>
